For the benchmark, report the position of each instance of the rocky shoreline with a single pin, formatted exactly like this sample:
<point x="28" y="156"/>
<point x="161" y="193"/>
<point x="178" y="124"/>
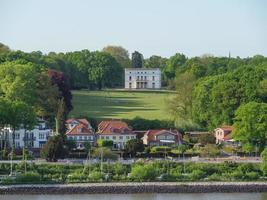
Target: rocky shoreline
<point x="127" y="188"/>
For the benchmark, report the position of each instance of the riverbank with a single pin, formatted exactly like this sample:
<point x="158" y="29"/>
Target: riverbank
<point x="129" y="188"/>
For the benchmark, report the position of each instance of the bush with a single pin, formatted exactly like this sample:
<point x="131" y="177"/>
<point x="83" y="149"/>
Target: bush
<point x="29" y="177"/>
<point x="196" y="175"/>
<point x="96" y="176"/>
<point x="214" y="177"/>
<point x="143" y="173"/>
<point x="252" y="176"/>
<point x="264" y="162"/>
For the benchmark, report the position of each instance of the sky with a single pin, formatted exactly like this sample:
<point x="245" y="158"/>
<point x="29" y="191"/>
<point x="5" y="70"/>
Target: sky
<point x="152" y="27"/>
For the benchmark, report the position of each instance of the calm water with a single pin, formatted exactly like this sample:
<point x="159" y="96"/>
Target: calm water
<point x="211" y="196"/>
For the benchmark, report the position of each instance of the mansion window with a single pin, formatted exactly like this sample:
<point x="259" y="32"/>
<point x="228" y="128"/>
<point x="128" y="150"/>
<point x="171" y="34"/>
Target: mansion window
<point x="130" y="85"/>
<point x="130" y="78"/>
<point x="41" y="136"/>
<point x="153" y="78"/>
<point x="107" y="137"/>
<point x="102" y="137"/>
<point x="121" y="137"/>
<point x="127" y="137"/>
<point x="114" y="137"/>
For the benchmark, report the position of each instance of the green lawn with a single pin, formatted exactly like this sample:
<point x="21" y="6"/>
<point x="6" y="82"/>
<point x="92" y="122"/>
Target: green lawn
<point x="120" y="104"/>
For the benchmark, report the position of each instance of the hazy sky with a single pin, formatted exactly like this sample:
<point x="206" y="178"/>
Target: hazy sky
<point x="161" y="27"/>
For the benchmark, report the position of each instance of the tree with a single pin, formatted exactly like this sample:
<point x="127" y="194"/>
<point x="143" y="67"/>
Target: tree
<point x="4" y="48"/>
<point x="210" y="150"/>
<point x="250" y="125"/>
<point x="104" y="143"/>
<point x="59" y="79"/>
<point x="156" y="62"/>
<point x="104" y="70"/>
<point x="264" y="161"/>
<point x="216" y="98"/>
<point x="137" y="60"/>
<point x="47" y="97"/>
<point x="133" y="146"/>
<point x="18" y="81"/>
<point x="206" y="139"/>
<point x="104" y="153"/>
<point x="180" y="106"/>
<point x="53" y="149"/>
<point x="174" y="62"/>
<point x="19" y="114"/>
<point x="120" y="54"/>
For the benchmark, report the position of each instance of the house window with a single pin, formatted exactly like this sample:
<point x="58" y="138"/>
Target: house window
<point x="102" y="137"/>
<point x="153" y="85"/>
<point x="16" y="136"/>
<point x="107" y="137"/>
<point x="121" y="137"/>
<point x="127" y="137"/>
<point x="114" y="137"/>
<point x="130" y="78"/>
<point x="153" y="78"/>
<point x="132" y="137"/>
<point x="17" y="144"/>
<point x="41" y="136"/>
<point x="80" y="137"/>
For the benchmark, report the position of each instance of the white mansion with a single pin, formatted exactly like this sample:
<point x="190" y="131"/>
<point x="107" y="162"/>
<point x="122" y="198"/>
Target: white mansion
<point x="142" y="78"/>
<point x="32" y="139"/>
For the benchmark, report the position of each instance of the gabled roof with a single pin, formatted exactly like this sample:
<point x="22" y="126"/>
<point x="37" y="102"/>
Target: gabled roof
<point x="226" y="129"/>
<point x="151" y="134"/>
<point x="83" y="121"/>
<point x="80" y="129"/>
<point x="114" y="127"/>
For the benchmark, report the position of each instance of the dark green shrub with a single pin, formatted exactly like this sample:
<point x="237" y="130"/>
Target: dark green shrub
<point x="29" y="177"/>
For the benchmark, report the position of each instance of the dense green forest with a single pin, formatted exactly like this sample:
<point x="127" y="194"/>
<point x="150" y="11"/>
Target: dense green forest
<point x="210" y="91"/>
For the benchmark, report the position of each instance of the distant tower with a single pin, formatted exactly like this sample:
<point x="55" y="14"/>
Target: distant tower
<point x="229" y="56"/>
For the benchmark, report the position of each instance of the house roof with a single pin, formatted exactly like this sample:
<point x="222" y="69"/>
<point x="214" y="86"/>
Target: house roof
<point x="83" y="121"/>
<point x="114" y="127"/>
<point x="151" y="134"/>
<point x="226" y="129"/>
<point x="80" y="129"/>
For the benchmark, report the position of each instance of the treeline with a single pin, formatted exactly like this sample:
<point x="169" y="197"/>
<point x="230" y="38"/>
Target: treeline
<point x="212" y="91"/>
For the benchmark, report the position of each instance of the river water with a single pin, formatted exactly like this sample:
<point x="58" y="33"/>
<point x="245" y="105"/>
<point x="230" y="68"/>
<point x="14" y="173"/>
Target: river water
<point x="203" y="196"/>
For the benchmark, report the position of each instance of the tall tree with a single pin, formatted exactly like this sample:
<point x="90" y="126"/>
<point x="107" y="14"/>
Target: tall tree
<point x="120" y="54"/>
<point x="180" y="106"/>
<point x="250" y="124"/>
<point x="137" y="60"/>
<point x="47" y="97"/>
<point x="173" y="64"/>
<point x="18" y="81"/>
<point x="155" y="62"/>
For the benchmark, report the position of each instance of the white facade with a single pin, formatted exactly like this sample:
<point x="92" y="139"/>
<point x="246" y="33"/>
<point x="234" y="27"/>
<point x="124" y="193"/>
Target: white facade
<point x="142" y="78"/>
<point x="119" y="140"/>
<point x="35" y="138"/>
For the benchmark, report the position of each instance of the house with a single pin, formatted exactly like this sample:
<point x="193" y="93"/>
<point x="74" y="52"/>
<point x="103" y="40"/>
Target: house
<point x="162" y="138"/>
<point x="142" y="78"/>
<point x="223" y="134"/>
<point x="32" y="139"/>
<point x="195" y="135"/>
<point x="117" y="131"/>
<point x="80" y="131"/>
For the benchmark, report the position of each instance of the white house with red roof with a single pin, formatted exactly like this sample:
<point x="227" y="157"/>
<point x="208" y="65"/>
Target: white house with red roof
<point x="162" y="138"/>
<point x="81" y="131"/>
<point x="117" y="131"/>
<point x="223" y="134"/>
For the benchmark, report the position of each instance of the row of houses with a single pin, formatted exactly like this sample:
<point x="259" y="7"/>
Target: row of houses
<point x="81" y="131"/>
<point x="119" y="132"/>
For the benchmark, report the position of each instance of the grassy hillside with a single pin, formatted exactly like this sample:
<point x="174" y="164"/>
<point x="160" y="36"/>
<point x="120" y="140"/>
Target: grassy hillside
<point x="120" y="104"/>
